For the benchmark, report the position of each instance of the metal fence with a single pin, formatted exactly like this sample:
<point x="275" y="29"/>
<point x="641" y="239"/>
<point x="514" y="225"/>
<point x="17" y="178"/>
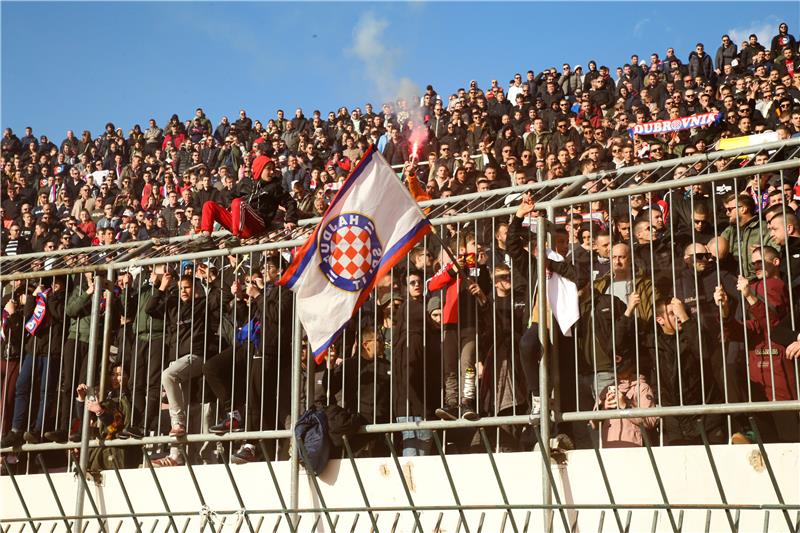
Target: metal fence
<point x="163" y="336"/>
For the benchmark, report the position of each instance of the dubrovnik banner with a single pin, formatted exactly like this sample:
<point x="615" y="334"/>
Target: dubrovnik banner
<point x="673" y="125"/>
<point x="370" y="225"/>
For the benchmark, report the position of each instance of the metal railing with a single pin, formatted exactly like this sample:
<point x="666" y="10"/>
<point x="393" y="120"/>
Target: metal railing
<point x="711" y="394"/>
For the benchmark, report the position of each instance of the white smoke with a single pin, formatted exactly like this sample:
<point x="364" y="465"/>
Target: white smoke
<point x="379" y="62"/>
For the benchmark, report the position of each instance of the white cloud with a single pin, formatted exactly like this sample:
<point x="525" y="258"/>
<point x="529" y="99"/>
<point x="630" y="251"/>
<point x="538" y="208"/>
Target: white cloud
<point x="378" y="61"/>
<point x="765" y="29"/>
<point x="638" y="28"/>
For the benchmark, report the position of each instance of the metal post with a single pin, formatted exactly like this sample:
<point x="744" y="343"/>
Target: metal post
<point x="91" y="363"/>
<point x="500" y="485"/>
<point x="360" y="483"/>
<point x="544" y="391"/>
<point x="106" y="334"/>
<point x="294" y="481"/>
<point x="125" y="493"/>
<point x="46" y="472"/>
<point x="19" y="495"/>
<point x="450" y="479"/>
<point x="417" y="523"/>
<point x="85" y="485"/>
<point x="551" y="483"/>
<point x="292" y="526"/>
<point x="313" y="475"/>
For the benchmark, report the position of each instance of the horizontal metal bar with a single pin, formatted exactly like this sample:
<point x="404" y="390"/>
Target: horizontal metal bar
<point x="514" y="420"/>
<point x="670" y="184"/>
<point x="655" y="165"/>
<point x="111" y="247"/>
<point x="165" y="439"/>
<point x="448" y="507"/>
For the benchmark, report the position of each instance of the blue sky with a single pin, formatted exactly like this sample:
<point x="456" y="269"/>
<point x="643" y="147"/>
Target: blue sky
<point x="79" y="65"/>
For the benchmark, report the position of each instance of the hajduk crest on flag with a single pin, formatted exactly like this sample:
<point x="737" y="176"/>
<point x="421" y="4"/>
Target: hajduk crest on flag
<point x="369" y="226"/>
<point x="673" y="125"/>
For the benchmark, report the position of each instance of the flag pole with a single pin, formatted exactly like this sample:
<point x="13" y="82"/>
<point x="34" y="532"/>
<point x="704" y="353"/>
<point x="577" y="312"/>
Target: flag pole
<point x="453" y="259"/>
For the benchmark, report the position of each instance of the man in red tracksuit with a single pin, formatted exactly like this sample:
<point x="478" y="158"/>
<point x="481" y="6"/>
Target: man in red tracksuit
<point x="253" y="216"/>
<point x="465" y="296"/>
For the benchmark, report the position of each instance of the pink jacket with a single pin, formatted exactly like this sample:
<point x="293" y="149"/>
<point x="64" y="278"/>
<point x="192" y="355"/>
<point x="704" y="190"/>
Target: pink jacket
<point x="625" y="432"/>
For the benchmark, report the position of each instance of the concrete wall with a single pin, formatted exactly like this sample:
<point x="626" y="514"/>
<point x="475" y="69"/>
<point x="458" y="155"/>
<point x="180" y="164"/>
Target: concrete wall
<point x="685" y="471"/>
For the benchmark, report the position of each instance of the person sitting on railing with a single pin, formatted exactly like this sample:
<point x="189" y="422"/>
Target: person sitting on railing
<point x="242" y="329"/>
<point x="254" y="216"/>
<point x="521" y="249"/>
<point x="188" y="323"/>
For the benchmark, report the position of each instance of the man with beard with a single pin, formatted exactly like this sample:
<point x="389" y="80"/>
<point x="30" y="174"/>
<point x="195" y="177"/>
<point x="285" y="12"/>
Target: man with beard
<point x="785" y="231"/>
<point x="652" y="251"/>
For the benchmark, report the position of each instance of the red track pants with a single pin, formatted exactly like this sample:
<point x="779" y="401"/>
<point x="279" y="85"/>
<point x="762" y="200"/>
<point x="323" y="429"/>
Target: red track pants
<point x="241" y="220"/>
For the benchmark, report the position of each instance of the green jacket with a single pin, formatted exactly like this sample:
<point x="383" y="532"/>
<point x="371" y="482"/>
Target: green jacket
<point x="643" y="287"/>
<point x="145" y="326"/>
<point x="750" y="234"/>
<point x="79" y="309"/>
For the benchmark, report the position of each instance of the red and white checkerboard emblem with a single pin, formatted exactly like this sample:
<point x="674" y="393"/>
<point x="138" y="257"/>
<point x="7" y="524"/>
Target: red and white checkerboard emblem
<point x="350" y="251"/>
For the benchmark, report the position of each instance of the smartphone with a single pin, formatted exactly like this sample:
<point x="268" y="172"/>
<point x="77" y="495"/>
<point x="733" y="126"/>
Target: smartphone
<point x="91" y="394"/>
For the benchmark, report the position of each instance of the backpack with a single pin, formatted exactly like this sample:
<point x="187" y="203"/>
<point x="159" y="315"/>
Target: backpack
<point x="312" y="431"/>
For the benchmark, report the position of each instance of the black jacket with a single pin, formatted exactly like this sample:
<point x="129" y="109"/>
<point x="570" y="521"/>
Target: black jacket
<point x="267" y="197"/>
<point x="188" y="324"/>
<point x="47" y="338"/>
<point x="602" y="317"/>
<point x="415" y="361"/>
<point x="366" y="387"/>
<point x="677" y="374"/>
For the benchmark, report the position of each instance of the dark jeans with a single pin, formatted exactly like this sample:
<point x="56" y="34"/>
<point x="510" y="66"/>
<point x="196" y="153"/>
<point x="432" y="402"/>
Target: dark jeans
<point x="220" y="370"/>
<point x="530" y="353"/>
<point x="72" y="362"/>
<point x="145" y="367"/>
<point x="9" y="370"/>
<point x="33" y="368"/>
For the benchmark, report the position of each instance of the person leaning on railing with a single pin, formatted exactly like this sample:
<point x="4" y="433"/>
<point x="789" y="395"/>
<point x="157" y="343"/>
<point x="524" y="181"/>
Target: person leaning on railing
<point x="44" y="329"/>
<point x="772" y="368"/>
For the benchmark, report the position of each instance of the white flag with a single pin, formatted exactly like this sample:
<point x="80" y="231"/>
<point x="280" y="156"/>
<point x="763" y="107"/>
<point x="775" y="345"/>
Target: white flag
<point x="370" y="225"/>
<point x="562" y="296"/>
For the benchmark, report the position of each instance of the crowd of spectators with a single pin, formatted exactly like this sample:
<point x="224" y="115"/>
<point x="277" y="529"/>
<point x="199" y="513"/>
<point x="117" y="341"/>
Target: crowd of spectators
<point x="707" y="271"/>
<point x="153" y="181"/>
